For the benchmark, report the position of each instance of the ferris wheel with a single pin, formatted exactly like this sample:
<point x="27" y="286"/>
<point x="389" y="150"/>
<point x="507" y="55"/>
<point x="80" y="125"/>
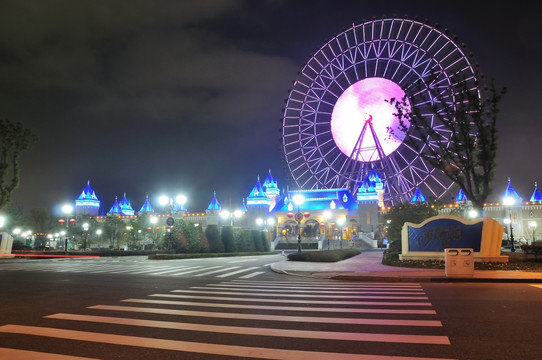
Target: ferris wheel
<point x="338" y="123"/>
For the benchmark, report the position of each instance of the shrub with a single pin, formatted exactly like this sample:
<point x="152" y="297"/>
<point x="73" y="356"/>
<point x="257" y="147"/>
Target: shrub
<point x="227" y="239"/>
<point x="324" y="256"/>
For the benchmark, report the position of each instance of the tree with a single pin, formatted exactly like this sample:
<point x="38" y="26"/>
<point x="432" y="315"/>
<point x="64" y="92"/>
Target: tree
<point x="213" y="236"/>
<point x="398" y="215"/>
<point x="227" y="239"/>
<point x="42" y="222"/>
<point x="113" y="228"/>
<point x="468" y="157"/>
<point x="14" y="139"/>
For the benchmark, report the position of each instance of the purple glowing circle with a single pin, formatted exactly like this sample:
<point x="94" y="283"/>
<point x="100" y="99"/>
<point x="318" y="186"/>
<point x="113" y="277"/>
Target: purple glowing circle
<point x="365" y="104"/>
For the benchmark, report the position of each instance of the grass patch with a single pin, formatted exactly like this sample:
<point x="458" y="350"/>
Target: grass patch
<point x="324" y="256"/>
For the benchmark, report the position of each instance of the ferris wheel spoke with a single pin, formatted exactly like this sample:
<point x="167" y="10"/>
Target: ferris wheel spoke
<point x="408" y="53"/>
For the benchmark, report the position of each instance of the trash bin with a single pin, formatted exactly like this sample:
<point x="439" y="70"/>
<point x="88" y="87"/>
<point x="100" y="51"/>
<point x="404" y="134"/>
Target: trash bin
<point x="459" y="262"/>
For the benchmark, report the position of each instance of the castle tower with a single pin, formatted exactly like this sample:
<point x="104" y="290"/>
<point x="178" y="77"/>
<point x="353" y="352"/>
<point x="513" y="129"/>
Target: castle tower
<point x="258" y="204"/>
<point x="87" y="203"/>
<point x="370" y="197"/>
<point x="271" y="190"/>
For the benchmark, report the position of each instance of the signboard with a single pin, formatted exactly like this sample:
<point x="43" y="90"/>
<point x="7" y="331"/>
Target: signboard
<point x="440" y="234"/>
<point x="430" y="239"/>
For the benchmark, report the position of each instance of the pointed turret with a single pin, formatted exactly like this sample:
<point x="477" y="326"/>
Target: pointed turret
<point x="537" y="196"/>
<point x="214" y="205"/>
<point x="418" y="196"/>
<point x="271" y="189"/>
<point x="125" y="207"/>
<point x="87" y="202"/>
<point x="511" y="192"/>
<point x="460" y="196"/>
<point x="115" y="209"/>
<point x="257" y="196"/>
<point x="147" y="207"/>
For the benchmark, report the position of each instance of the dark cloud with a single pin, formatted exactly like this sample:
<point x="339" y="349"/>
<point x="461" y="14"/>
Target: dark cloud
<point x="153" y="96"/>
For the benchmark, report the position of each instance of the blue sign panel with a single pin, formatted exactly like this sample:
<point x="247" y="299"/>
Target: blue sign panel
<point x="440" y="234"/>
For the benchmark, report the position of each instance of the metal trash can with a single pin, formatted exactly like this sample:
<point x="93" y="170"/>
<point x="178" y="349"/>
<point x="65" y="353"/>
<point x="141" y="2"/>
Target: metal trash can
<point x="459" y="262"/>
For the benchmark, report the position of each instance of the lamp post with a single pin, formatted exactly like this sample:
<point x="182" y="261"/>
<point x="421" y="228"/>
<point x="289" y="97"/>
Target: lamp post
<point x="509" y="201"/>
<point x="153" y="221"/>
<point x="532" y="227"/>
<point x="99" y="234"/>
<point x="327" y="216"/>
<point x="298" y="199"/>
<point x="67" y="210"/>
<point x="340" y="222"/>
<point x="85" y="229"/>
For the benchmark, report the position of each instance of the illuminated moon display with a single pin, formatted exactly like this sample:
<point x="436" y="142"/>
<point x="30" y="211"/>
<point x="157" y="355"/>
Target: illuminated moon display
<point x="363" y="104"/>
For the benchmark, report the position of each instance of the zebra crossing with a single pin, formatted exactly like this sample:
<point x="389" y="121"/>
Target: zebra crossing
<point x="229" y="269"/>
<point x="252" y="319"/>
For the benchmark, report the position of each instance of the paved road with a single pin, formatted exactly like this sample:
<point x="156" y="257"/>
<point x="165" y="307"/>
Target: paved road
<point x="240" y="319"/>
<point x="245" y="267"/>
<point x="61" y="315"/>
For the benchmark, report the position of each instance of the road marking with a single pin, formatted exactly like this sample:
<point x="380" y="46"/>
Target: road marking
<point x="306" y="319"/>
<point x="307" y="295"/>
<point x="170" y="270"/>
<point x="238" y="261"/>
<point x="293" y="301"/>
<point x="192" y="271"/>
<point x="248" y="276"/>
<point x="260" y="331"/>
<point x="333" y="288"/>
<point x="186" y="346"/>
<point x="219" y="270"/>
<point x="16" y="354"/>
<point x="276" y="308"/>
<point x="237" y="272"/>
<point x="277" y="291"/>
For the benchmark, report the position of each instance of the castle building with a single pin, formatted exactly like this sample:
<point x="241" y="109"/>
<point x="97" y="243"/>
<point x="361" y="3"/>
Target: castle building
<point x="325" y="213"/>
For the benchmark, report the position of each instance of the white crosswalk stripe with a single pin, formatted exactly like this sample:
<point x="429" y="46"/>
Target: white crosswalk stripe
<point x="262" y="310"/>
<point x="143" y="269"/>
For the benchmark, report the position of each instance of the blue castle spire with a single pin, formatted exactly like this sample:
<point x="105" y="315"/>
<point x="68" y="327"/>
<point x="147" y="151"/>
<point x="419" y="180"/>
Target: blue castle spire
<point x="418" y="196"/>
<point x="214" y="204"/>
<point x="87" y="202"/>
<point x="537" y="196"/>
<point x="511" y="192"/>
<point x="147" y="207"/>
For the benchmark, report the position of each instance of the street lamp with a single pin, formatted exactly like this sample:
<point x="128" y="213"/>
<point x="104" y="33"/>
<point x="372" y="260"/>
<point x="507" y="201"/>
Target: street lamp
<point x="67" y="209"/>
<point x="85" y="229"/>
<point x="509" y="201"/>
<point x="298" y="199"/>
<point x="99" y="234"/>
<point x="171" y="203"/>
<point x="225" y="214"/>
<point x="2" y="221"/>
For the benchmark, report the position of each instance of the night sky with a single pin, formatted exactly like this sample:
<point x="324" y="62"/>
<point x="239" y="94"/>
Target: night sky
<point x="152" y="97"/>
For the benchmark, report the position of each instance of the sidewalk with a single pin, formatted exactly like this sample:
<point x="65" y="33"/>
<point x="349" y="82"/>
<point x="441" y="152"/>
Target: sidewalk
<point x="368" y="267"/>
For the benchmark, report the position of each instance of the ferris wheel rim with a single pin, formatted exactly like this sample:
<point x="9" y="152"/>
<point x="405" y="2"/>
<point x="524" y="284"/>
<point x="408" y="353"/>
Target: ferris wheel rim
<point x="307" y="148"/>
